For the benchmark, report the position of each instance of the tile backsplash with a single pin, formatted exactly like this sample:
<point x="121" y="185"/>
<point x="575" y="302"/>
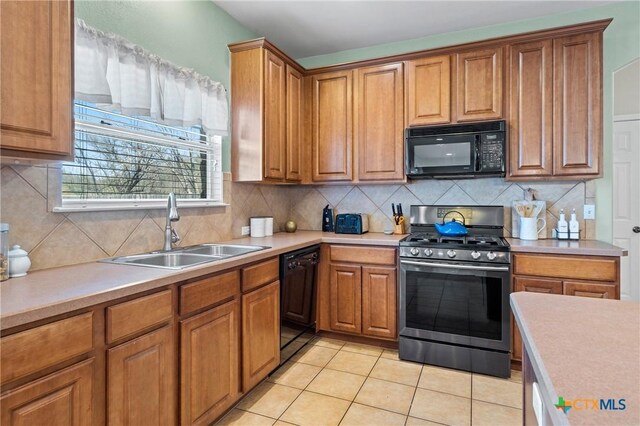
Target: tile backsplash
<point x="375" y="200"/>
<point x="56" y="239"/>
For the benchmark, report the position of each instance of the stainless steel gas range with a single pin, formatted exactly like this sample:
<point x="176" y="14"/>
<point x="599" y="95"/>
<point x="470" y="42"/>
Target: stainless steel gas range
<point x="454" y="291"/>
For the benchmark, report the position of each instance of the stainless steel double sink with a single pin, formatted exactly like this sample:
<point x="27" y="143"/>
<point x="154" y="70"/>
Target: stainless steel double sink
<point x="185" y="257"/>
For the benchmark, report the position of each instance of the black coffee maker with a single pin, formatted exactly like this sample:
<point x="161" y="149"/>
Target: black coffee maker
<point x="327" y="219"/>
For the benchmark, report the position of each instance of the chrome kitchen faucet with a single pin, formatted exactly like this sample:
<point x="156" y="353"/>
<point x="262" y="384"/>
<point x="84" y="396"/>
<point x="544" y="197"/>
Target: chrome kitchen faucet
<point x="170" y="235"/>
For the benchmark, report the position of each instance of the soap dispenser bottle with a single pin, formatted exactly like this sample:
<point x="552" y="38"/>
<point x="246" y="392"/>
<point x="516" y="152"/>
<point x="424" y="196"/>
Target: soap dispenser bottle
<point x="563" y="227"/>
<point x="574" y="226"/>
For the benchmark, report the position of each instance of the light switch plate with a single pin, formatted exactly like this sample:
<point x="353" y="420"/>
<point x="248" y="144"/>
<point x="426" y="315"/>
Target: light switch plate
<point x="589" y="211"/>
<point x="246" y="230"/>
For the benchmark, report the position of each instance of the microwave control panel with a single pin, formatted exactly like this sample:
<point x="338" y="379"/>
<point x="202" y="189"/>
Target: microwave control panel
<point x="492" y="152"/>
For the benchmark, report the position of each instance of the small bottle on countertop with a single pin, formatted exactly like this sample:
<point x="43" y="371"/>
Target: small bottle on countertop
<point x="574" y="226"/>
<point x="563" y="227"/>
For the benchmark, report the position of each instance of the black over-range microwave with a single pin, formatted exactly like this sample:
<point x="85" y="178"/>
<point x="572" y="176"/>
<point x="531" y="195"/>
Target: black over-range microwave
<point x="459" y="150"/>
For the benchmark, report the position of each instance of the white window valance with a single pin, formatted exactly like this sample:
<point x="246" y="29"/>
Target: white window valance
<point x="123" y="77"/>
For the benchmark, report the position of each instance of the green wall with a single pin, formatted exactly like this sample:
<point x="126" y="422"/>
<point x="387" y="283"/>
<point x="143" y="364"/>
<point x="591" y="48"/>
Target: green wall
<point x="192" y="34"/>
<point x="621" y="46"/>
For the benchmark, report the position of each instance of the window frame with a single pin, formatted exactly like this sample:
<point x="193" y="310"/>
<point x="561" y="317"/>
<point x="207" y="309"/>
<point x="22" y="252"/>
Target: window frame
<point x="215" y="176"/>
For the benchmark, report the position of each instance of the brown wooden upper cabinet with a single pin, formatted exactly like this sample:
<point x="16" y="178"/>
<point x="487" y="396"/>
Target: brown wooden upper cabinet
<point x="531" y="108"/>
<point x="274" y="117"/>
<point x="479" y="85"/>
<point x="577" y="104"/>
<point x="556" y="107"/>
<point x="379" y="122"/>
<point x="36" y="79"/>
<point x="428" y="90"/>
<point x="266" y="114"/>
<point x="332" y="126"/>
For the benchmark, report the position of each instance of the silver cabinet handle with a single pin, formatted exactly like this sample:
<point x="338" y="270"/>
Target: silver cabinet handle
<point x="446" y="266"/>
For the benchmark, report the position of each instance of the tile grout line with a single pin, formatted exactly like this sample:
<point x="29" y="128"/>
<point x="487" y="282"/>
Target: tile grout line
<point x="304" y="390"/>
<point x="415" y="390"/>
<point x="360" y="388"/>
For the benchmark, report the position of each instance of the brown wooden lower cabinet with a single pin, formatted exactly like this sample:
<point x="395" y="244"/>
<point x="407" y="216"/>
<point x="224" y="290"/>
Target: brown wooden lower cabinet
<point x="379" y="302"/>
<point x="141" y="380"/>
<point x="357" y="290"/>
<point x="563" y="274"/>
<point x="345" y="294"/>
<point x="536" y="285"/>
<point x="260" y="334"/>
<point x="62" y="398"/>
<point x="209" y="364"/>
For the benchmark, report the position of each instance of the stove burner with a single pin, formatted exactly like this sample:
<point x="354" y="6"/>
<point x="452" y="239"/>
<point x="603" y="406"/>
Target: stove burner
<point x="476" y="240"/>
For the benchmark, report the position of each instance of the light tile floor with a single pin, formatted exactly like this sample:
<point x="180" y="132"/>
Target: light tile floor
<point x="330" y="382"/>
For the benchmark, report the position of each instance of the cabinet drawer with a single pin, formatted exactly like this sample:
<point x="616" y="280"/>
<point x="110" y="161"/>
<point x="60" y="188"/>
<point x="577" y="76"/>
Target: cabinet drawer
<point x="572" y="267"/>
<point x="260" y="274"/>
<point x="587" y="289"/>
<point x="131" y="317"/>
<point x="363" y="254"/>
<point x="208" y="292"/>
<point x="41" y="347"/>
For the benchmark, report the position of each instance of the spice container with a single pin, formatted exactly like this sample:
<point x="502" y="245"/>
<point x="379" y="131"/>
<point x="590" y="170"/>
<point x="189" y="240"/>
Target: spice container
<point x="4" y="251"/>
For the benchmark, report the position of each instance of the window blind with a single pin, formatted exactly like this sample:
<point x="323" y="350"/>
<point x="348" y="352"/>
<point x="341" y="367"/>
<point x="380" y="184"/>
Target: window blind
<point x="118" y="157"/>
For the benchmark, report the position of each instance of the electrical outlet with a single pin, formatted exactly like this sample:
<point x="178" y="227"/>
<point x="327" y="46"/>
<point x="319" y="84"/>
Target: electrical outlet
<point x="589" y="211"/>
<point x="246" y="230"/>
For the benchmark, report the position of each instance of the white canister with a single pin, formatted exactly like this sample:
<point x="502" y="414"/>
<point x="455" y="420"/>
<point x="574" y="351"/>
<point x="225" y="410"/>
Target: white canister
<point x="19" y="262"/>
<point x="529" y="227"/>
<point x="268" y="226"/>
<point x="257" y="227"/>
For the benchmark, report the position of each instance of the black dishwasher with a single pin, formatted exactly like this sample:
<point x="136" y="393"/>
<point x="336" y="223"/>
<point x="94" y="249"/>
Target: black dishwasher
<point x="298" y="274"/>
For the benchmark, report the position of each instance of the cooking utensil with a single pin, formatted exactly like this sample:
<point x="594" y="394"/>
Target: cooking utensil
<point x="528" y="210"/>
<point x="537" y="208"/>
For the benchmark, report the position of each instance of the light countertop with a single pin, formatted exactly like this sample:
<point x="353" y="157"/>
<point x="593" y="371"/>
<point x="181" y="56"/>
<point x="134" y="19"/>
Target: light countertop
<point x="49" y="292"/>
<point x="578" y="248"/>
<point x="582" y="348"/>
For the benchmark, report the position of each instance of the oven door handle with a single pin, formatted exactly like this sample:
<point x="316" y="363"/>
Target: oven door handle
<point x="444" y="265"/>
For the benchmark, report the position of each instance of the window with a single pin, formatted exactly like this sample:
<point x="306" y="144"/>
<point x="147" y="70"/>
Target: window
<point x="127" y="162"/>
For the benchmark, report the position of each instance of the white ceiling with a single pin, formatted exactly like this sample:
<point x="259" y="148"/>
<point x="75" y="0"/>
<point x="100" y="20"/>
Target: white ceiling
<point x="309" y="28"/>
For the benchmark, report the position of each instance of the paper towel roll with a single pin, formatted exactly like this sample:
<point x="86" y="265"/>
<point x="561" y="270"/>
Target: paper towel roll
<point x="258" y="227"/>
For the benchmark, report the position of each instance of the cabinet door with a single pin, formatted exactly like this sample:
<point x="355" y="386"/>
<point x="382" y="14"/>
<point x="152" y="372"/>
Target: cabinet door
<point x="591" y="289"/>
<point x="260" y="334"/>
<point x="577" y="104"/>
<point x="379" y="128"/>
<point x="332" y="126"/>
<point x="531" y="109"/>
<point x="428" y="91"/>
<point x="36" y="77"/>
<point x="63" y="398"/>
<point x="379" y="302"/>
<point x="209" y="364"/>
<point x="536" y="285"/>
<point x="274" y="117"/>
<point x="294" y="122"/>
<point x="141" y="380"/>
<point x="479" y="85"/>
<point x="345" y="290"/>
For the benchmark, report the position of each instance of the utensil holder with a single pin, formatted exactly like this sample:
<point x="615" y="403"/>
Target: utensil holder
<point x="398" y="229"/>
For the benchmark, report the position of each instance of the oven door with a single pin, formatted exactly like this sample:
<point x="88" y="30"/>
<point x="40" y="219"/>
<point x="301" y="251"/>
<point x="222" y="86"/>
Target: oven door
<point x="455" y="303"/>
<point x="442" y="155"/>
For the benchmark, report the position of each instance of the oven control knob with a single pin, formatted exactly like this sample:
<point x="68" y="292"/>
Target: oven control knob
<point x="428" y="252"/>
<point x="415" y="251"/>
<point x="491" y="255"/>
<point x="451" y="253"/>
<point x="475" y="254"/>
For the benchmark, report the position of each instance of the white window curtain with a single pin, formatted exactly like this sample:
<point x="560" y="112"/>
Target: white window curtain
<point x="123" y="77"/>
